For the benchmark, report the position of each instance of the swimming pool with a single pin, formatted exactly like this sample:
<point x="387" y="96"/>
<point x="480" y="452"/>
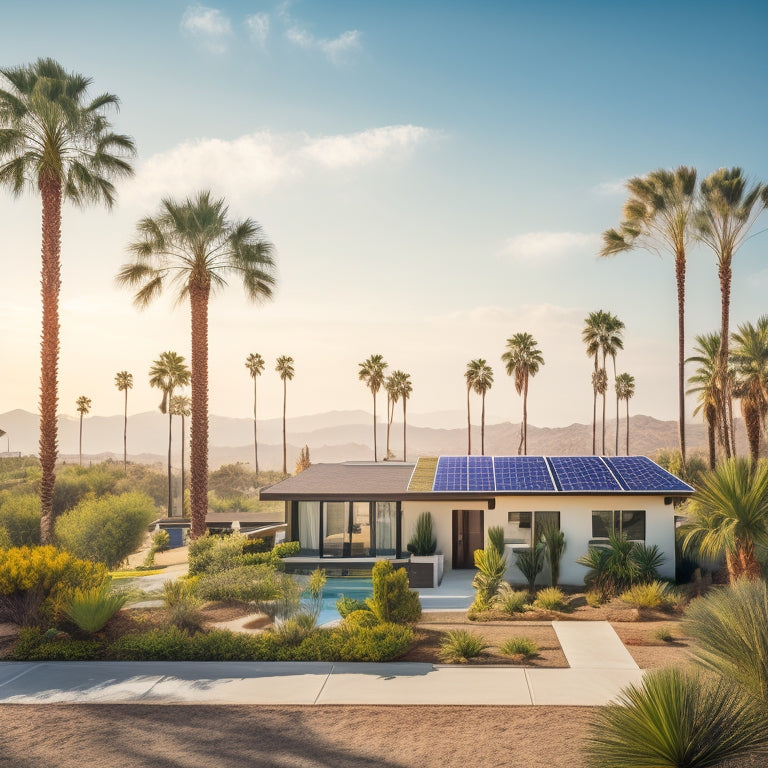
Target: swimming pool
<point x="357" y="588"/>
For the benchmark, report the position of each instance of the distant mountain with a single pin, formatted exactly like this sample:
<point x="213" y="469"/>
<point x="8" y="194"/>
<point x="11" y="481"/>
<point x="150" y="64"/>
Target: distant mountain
<point x="333" y="436"/>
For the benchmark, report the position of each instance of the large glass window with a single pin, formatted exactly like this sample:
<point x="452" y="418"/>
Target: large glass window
<point x="309" y="527"/>
<point x="627" y="523"/>
<point x="360" y="532"/>
<point x="335" y="527"/>
<point x="386" y="527"/>
<point x="518" y="528"/>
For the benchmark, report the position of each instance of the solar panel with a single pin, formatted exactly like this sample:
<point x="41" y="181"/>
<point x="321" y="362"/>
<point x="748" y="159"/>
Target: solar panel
<point x="451" y="474"/>
<point x="522" y="473"/>
<point x="583" y="473"/>
<point x="480" y="473"/>
<point x="639" y="473"/>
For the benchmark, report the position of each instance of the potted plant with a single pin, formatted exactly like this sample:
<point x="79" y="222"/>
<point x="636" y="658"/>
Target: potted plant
<point x="422" y="547"/>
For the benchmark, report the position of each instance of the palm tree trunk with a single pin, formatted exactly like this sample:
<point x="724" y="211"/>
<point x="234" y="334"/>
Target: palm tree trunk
<point x="482" y="428"/>
<point x="389" y="420"/>
<point x="125" y="434"/>
<point x="50" y="191"/>
<point x="525" y="416"/>
<point x="602" y="448"/>
<point x="711" y="441"/>
<point x="183" y="483"/>
<point x="627" y="426"/>
<point x="616" y="451"/>
<point x="752" y="423"/>
<point x="375" y="450"/>
<point x="469" y="426"/>
<point x="732" y="423"/>
<point x="680" y="278"/>
<point x="81" y="438"/>
<point x="285" y="396"/>
<point x="405" y="455"/>
<point x="594" y="413"/>
<point x="198" y="295"/>
<point x="170" y="435"/>
<point x="725" y="274"/>
<point x="255" y="438"/>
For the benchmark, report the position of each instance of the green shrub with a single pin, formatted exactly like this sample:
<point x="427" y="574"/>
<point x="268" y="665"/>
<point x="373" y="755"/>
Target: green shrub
<point x="178" y="591"/>
<point x="423" y="541"/>
<point x="550" y="599"/>
<point x="491" y="566"/>
<point x="5" y="539"/>
<point x="460" y="646"/>
<point x="186" y="616"/>
<point x="361" y="618"/>
<point x="92" y="608"/>
<point x="520" y="646"/>
<point x="107" y="529"/>
<point x="554" y="546"/>
<point x="384" y="642"/>
<point x="392" y="600"/>
<point x="510" y="600"/>
<point x="20" y="516"/>
<point x="496" y="538"/>
<point x="294" y="629"/>
<point x="657" y="594"/>
<point x="37" y="582"/>
<point x="664" y="633"/>
<point x="530" y="562"/>
<point x="33" y="645"/>
<point x="346" y="605"/>
<point x="211" y="554"/>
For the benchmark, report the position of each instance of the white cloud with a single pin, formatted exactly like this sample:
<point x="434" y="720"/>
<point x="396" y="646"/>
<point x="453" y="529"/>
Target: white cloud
<point x="611" y="187"/>
<point x="258" y="28"/>
<point x="335" y="49"/>
<point x="208" y="25"/>
<point x="549" y="246"/>
<point x="260" y="161"/>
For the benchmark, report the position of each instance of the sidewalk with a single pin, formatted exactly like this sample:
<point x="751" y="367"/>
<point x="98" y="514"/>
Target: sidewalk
<point x="586" y="683"/>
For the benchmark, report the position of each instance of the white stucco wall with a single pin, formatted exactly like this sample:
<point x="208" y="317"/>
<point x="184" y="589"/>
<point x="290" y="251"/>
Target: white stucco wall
<point x="575" y="522"/>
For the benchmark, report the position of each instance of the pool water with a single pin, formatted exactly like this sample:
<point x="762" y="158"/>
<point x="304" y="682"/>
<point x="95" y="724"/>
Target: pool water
<point x="335" y="587"/>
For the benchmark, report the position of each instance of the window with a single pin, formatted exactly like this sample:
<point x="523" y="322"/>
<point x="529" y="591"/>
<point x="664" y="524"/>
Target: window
<point x="520" y="525"/>
<point x="627" y="523"/>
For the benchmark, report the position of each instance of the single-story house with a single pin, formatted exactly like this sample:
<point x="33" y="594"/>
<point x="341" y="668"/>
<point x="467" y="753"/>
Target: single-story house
<point x="360" y="511"/>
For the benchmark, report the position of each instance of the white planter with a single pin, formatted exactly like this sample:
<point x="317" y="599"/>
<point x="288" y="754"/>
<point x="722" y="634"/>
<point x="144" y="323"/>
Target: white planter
<point x="437" y="566"/>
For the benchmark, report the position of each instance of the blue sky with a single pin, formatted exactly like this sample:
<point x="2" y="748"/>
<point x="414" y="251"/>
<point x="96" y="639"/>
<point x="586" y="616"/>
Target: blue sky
<point x="435" y="177"/>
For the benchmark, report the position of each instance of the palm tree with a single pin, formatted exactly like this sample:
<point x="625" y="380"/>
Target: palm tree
<point x="600" y="387"/>
<point x="658" y="217"/>
<point x="124" y="382"/>
<point x="480" y="376"/>
<point x="391" y="385"/>
<point x="523" y="359"/>
<point x="83" y="408"/>
<point x="52" y="139"/>
<point x="591" y="335"/>
<point x="285" y="368"/>
<point x="255" y="365"/>
<point x="750" y="364"/>
<point x="726" y="214"/>
<point x="181" y="406"/>
<point x="404" y="389"/>
<point x="194" y="245"/>
<point x="706" y="385"/>
<point x="611" y="343"/>
<point x="729" y="516"/>
<point x="167" y="373"/>
<point x="625" y="390"/>
<point x="372" y="373"/>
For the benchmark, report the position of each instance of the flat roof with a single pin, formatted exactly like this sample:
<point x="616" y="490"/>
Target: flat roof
<point x="471" y="477"/>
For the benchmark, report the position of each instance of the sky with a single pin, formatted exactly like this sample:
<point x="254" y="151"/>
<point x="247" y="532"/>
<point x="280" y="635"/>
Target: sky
<point x="435" y="177"/>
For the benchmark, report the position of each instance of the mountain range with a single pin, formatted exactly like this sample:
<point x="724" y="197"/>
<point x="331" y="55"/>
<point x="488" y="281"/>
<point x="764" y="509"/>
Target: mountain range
<point x="335" y="436"/>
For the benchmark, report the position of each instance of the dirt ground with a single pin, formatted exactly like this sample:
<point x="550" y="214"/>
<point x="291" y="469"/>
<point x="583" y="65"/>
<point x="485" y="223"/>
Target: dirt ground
<point x="648" y="650"/>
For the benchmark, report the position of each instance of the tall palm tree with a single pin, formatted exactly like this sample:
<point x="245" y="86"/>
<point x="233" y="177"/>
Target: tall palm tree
<point x="523" y="359"/>
<point x="167" y="373"/>
<point x="479" y="376"/>
<point x="194" y="245"/>
<point x="600" y="386"/>
<point x="729" y="516"/>
<point x="372" y="374"/>
<point x="750" y="367"/>
<point x="124" y="382"/>
<point x="255" y="365"/>
<point x="181" y="406"/>
<point x="658" y="217"/>
<point x="625" y="390"/>
<point x="611" y="342"/>
<point x="729" y="208"/>
<point x="83" y="408"/>
<point x="284" y="367"/>
<point x="392" y="387"/>
<point x="470" y="376"/>
<point x="53" y="139"/>
<point x="404" y="389"/>
<point x="706" y="386"/>
<point x="591" y="335"/>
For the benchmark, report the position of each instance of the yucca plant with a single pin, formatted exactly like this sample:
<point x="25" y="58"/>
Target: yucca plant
<point x="648" y="560"/>
<point x="550" y="599"/>
<point x="91" y="609"/>
<point x="459" y="646"/>
<point x="656" y="594"/>
<point x="179" y="591"/>
<point x="676" y="719"/>
<point x="730" y="625"/>
<point x="496" y="538"/>
<point x="510" y="600"/>
<point x="491" y="566"/>
<point x="554" y="546"/>
<point x="520" y="646"/>
<point x="423" y="541"/>
<point x="530" y="562"/>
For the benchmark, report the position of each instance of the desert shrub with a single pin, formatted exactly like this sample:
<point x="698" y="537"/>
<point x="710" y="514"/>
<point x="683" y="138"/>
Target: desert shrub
<point x="553" y="540"/>
<point x="520" y="646"/>
<point x="5" y="539"/>
<point x="346" y="605"/>
<point x="107" y="529"/>
<point x="647" y="562"/>
<point x="664" y="634"/>
<point x="384" y="642"/>
<point x="460" y="646"/>
<point x="392" y="600"/>
<point x="314" y="592"/>
<point x="34" y="645"/>
<point x="294" y="629"/>
<point x="210" y="554"/>
<point x="179" y="591"/>
<point x="657" y="594"/>
<point x="594" y="599"/>
<point x="496" y="538"/>
<point x="361" y="618"/>
<point x="20" y="516"/>
<point x="186" y="616"/>
<point x="423" y="541"/>
<point x="550" y="599"/>
<point x="530" y="562"/>
<point x="491" y="566"/>
<point x="510" y="600"/>
<point x="160" y="542"/>
<point x="91" y="609"/>
<point x="36" y="582"/>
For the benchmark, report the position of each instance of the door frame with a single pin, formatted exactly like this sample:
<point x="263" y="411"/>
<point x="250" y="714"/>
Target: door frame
<point x="461" y="544"/>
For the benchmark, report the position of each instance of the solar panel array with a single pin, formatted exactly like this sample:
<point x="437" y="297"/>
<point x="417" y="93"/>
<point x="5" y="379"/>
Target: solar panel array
<point x="639" y="473"/>
<point x="546" y="474"/>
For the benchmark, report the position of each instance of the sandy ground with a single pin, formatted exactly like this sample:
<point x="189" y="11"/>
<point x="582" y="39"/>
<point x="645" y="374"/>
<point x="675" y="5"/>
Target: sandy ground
<point x="647" y="650"/>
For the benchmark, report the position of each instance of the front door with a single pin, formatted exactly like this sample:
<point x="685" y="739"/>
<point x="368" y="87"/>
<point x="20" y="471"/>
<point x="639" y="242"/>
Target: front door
<point x="467" y="536"/>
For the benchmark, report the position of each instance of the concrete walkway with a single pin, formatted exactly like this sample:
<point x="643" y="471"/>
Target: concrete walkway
<point x="318" y="683"/>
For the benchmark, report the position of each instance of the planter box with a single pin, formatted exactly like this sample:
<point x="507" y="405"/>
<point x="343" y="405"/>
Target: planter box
<point x="435" y="561"/>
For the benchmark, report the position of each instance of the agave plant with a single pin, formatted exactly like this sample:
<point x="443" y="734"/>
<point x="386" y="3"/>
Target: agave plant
<point x="554" y="546"/>
<point x="530" y="562"/>
<point x="491" y="566"/>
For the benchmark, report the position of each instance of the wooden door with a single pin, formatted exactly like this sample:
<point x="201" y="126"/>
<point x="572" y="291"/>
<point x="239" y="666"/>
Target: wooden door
<point x="468" y="535"/>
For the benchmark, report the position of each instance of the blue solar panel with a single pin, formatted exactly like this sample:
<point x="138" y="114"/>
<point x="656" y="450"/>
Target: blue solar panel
<point x="480" y="478"/>
<point x="451" y="474"/>
<point x="522" y="473"/>
<point x="583" y="473"/>
<point x="639" y="473"/>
